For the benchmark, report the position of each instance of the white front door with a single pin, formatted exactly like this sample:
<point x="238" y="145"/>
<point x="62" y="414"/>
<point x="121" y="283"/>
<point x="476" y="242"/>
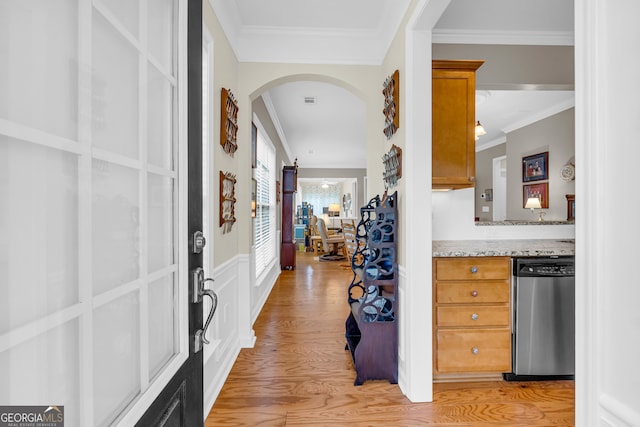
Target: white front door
<point x="94" y="309"/>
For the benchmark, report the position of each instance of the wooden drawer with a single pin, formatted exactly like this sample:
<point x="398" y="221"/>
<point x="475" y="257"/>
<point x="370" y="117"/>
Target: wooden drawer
<point x="487" y="315"/>
<point x="472" y="292"/>
<point x="470" y="268"/>
<point x="480" y="350"/>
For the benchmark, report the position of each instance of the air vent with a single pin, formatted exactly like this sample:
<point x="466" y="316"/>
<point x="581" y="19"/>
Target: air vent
<point x="310" y="100"/>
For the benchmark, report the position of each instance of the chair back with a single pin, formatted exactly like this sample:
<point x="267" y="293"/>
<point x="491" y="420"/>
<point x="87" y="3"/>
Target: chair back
<point x="313" y="226"/>
<point x="349" y="231"/>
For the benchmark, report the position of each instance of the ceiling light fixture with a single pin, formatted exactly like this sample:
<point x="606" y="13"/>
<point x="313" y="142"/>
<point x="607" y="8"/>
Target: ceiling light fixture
<point x="479" y="129"/>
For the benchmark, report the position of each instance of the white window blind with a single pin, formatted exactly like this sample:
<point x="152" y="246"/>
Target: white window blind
<point x="265" y="220"/>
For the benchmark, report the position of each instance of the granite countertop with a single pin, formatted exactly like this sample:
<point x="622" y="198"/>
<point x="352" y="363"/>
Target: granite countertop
<point x="525" y="247"/>
<point x="523" y="222"/>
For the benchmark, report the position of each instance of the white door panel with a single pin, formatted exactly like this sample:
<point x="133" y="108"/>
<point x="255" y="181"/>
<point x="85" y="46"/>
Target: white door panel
<point x="93" y="300"/>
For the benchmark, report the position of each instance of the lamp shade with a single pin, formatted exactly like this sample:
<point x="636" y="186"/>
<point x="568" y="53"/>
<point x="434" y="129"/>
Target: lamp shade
<point x="533" y="203"/>
<point x="334" y="207"/>
<point x="480" y="129"/>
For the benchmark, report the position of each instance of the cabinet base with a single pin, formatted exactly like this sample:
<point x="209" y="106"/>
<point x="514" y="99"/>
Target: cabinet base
<point x="510" y="376"/>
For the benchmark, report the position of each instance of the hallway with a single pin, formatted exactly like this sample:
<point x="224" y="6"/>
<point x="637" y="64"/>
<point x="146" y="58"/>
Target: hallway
<point x="298" y="373"/>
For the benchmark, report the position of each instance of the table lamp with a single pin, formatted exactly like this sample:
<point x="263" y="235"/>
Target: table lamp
<point x="534" y="203"/>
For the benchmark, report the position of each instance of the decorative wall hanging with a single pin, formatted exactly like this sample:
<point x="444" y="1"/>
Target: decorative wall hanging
<point x="541" y="191"/>
<point x="534" y="168"/>
<point x="228" y="122"/>
<point x="227" y="201"/>
<point x="392" y="167"/>
<point x="568" y="172"/>
<point x="391" y="111"/>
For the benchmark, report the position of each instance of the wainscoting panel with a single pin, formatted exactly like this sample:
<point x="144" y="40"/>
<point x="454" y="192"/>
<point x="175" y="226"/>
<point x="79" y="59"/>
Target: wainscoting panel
<point x="219" y="359"/>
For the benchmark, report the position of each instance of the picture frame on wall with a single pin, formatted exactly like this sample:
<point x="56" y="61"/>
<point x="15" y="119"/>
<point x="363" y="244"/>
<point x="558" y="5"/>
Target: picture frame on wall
<point x="541" y="191"/>
<point x="535" y="167"/>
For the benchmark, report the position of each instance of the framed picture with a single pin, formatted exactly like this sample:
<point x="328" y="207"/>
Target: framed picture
<point x="254" y="145"/>
<point x="534" y="168"/>
<point x="254" y="193"/>
<point x="541" y="191"/>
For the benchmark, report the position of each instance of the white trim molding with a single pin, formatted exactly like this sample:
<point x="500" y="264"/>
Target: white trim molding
<point x="253" y="43"/>
<point x="273" y="115"/>
<point x="545" y="38"/>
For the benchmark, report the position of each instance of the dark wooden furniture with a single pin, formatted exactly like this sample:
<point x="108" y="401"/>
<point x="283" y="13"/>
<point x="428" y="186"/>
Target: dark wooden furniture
<point x="453" y="114"/>
<point x="372" y="325"/>
<point x="571" y="207"/>
<point x="289" y="187"/>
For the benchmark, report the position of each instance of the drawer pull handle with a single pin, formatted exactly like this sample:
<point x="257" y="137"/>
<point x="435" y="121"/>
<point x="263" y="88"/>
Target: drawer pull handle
<point x="475" y="350"/>
<point x="474" y="316"/>
<point x="474" y="269"/>
<point x="474" y="293"/>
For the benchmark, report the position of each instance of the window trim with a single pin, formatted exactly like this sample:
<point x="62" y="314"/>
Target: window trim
<point x="262" y="269"/>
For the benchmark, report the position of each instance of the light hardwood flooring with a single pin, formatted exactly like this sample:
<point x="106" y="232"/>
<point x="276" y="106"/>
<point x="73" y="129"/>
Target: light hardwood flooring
<point x="299" y="374"/>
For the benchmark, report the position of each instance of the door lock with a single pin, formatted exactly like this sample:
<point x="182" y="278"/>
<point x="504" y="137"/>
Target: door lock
<point x="199" y="242"/>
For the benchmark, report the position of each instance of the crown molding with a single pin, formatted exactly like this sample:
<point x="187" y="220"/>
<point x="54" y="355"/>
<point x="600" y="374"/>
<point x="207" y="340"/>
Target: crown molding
<point x="544" y="38"/>
<point x="303" y="45"/>
<point x="276" y="124"/>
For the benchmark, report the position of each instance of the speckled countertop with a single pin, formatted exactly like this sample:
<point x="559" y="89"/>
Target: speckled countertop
<point x="522" y="222"/>
<point x="534" y="247"/>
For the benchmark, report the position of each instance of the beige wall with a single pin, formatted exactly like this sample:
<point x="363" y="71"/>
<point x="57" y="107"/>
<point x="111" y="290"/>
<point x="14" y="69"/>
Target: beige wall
<point x="225" y="73"/>
<point x="509" y="67"/>
<point x="555" y="134"/>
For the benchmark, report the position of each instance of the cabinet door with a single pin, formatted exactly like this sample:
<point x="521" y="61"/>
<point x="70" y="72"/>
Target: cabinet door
<point x="453" y="109"/>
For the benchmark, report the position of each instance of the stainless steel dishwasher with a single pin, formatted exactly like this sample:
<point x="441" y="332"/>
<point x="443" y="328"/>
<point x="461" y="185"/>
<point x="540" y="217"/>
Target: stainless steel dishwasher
<point x="543" y="322"/>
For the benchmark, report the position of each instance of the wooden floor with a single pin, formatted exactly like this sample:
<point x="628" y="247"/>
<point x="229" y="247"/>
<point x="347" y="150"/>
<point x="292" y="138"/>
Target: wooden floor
<point x="299" y="374"/>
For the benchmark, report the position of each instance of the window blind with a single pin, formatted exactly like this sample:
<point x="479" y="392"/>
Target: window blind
<point x="265" y="220"/>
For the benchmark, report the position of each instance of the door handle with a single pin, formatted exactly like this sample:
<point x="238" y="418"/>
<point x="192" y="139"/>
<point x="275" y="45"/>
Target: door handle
<point x="214" y="305"/>
<point x="199" y="291"/>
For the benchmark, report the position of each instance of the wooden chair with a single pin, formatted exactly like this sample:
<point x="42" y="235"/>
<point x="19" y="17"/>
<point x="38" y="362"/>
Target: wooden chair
<point x="314" y="236"/>
<point x="350" y="243"/>
<point x="330" y="243"/>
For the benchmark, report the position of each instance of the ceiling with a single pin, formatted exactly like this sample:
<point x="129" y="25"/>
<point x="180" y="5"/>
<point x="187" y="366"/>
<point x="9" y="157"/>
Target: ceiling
<point x="332" y="132"/>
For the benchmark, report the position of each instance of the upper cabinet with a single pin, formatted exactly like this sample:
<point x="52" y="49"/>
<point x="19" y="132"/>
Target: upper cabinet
<point x="454" y="114"/>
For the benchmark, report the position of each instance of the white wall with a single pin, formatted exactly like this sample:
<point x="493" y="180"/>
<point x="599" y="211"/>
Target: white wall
<point x="607" y="291"/>
<point x="453" y="219"/>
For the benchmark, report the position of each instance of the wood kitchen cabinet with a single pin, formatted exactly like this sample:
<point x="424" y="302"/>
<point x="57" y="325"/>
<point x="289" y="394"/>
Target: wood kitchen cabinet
<point x="471" y="318"/>
<point x="454" y="117"/>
